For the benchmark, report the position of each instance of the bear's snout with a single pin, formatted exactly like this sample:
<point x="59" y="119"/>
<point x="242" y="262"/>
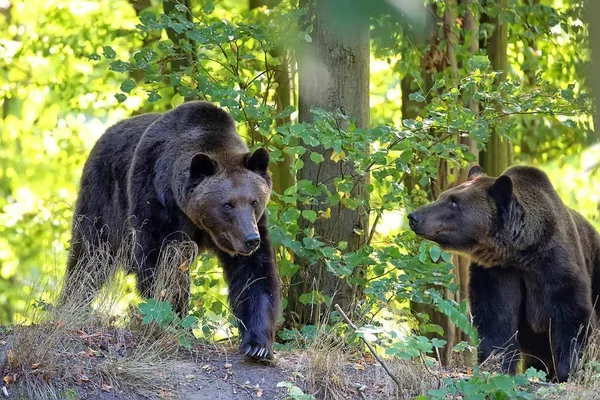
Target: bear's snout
<point x="413" y="220"/>
<point x="252" y="241"/>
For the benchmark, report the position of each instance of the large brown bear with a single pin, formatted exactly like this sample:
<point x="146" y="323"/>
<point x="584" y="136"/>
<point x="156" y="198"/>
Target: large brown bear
<point x="535" y="272"/>
<point x="182" y="175"/>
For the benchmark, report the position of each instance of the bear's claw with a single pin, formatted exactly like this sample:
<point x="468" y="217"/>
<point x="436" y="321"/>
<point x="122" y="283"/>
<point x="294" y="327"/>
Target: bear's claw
<point x="257" y="351"/>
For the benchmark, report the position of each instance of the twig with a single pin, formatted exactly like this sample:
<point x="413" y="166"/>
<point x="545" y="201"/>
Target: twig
<point x="360" y="389"/>
<point x="371" y="349"/>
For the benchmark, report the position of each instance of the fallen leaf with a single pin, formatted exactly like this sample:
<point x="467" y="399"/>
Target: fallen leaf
<point x="190" y="377"/>
<point x="185" y="266"/>
<point x="60" y="324"/>
<point x="106" y="387"/>
<point x="84" y="378"/>
<point x="10" y="356"/>
<point x="7" y="379"/>
<point x="207" y="368"/>
<point x="359" y="366"/>
<point x="228" y="365"/>
<point x="35" y="365"/>
<point x="259" y="393"/>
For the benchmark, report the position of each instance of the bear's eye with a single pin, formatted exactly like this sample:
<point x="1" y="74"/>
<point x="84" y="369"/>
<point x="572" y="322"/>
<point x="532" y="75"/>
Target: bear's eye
<point x="453" y="201"/>
<point x="227" y="206"/>
<point x="254" y="203"/>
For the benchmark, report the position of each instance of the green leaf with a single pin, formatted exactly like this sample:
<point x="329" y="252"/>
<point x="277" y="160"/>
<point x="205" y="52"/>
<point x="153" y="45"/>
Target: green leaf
<point x="316" y="157"/>
<point x="154" y="96"/>
<point x="309" y="215"/>
<point x="189" y="321"/>
<point x="434" y="253"/>
<point x="417" y="96"/>
<point x="479" y="62"/>
<point x="147" y="17"/>
<point x="305" y="36"/>
<point x="503" y="382"/>
<point x="120" y="66"/>
<point x="109" y="53"/>
<point x="127" y="85"/>
<point x="120" y="97"/>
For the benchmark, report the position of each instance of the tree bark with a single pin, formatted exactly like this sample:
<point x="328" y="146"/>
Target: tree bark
<point x="498" y="154"/>
<point x="282" y="176"/>
<point x="333" y="74"/>
<point x="168" y="6"/>
<point x="593" y="10"/>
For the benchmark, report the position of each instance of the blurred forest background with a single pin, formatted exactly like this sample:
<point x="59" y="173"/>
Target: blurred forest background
<point x="369" y="109"/>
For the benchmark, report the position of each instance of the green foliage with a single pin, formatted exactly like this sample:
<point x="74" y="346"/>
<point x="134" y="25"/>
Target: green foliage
<point x="67" y="79"/>
<point x="486" y="385"/>
<point x="294" y="392"/>
<point x="162" y="314"/>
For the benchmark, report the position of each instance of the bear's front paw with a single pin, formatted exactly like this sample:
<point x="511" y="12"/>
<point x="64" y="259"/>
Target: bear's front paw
<point x="256" y="349"/>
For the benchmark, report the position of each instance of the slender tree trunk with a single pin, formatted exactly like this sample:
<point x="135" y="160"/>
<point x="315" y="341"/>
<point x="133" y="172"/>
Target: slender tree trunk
<point x="333" y="75"/>
<point x="498" y="154"/>
<point x="282" y="176"/>
<point x="168" y="7"/>
<point x="471" y="37"/>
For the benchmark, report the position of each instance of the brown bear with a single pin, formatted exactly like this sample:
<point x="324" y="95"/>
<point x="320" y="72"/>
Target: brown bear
<point x="535" y="272"/>
<point x="182" y="175"/>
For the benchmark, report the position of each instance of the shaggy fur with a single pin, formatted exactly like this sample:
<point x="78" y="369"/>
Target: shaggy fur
<point x="535" y="269"/>
<point x="178" y="176"/>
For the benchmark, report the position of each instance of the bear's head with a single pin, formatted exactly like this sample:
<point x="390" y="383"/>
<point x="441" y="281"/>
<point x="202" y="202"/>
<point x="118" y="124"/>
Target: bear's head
<point x="479" y="218"/>
<point x="227" y="196"/>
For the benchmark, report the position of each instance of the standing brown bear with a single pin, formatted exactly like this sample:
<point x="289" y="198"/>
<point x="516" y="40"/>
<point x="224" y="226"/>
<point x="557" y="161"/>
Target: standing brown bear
<point x="182" y="175"/>
<point x="535" y="271"/>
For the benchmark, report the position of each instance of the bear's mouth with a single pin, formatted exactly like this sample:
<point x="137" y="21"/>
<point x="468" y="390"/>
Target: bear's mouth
<point x="225" y="243"/>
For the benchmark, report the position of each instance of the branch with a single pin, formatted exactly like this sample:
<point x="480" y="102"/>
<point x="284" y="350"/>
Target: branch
<point x="371" y="349"/>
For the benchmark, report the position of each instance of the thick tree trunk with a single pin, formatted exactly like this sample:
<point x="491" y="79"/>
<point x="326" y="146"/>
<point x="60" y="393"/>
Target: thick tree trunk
<point x="592" y="11"/>
<point x="333" y="74"/>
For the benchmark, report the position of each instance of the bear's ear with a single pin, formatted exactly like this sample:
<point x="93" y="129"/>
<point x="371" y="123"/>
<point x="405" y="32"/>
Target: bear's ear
<point x="258" y="161"/>
<point x="474" y="172"/>
<point x="201" y="167"/>
<point x="501" y="191"/>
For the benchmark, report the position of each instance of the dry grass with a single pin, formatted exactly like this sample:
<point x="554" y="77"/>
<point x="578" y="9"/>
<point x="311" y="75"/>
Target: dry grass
<point x="585" y="382"/>
<point x="332" y="370"/>
<point x="76" y="345"/>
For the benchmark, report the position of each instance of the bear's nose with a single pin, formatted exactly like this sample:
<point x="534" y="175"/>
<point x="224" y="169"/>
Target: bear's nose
<point x="252" y="241"/>
<point x="413" y="219"/>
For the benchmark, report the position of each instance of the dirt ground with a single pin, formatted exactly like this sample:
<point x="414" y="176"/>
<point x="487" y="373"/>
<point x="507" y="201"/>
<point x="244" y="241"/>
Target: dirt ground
<point x="212" y="372"/>
<point x="230" y="376"/>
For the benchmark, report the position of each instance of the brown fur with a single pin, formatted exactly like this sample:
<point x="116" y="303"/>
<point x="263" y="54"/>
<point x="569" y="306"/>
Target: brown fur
<point x="548" y="253"/>
<point x="185" y="175"/>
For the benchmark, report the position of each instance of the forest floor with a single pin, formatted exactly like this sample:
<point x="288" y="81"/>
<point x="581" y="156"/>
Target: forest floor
<point x="59" y="360"/>
<point x="107" y="364"/>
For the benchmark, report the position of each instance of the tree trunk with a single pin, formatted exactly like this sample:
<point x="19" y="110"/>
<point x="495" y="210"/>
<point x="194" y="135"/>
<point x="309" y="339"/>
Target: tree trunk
<point x="498" y="154"/>
<point x="333" y="74"/>
<point x="168" y="6"/>
<point x="282" y="176"/>
<point x="471" y="37"/>
<point x="592" y="11"/>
